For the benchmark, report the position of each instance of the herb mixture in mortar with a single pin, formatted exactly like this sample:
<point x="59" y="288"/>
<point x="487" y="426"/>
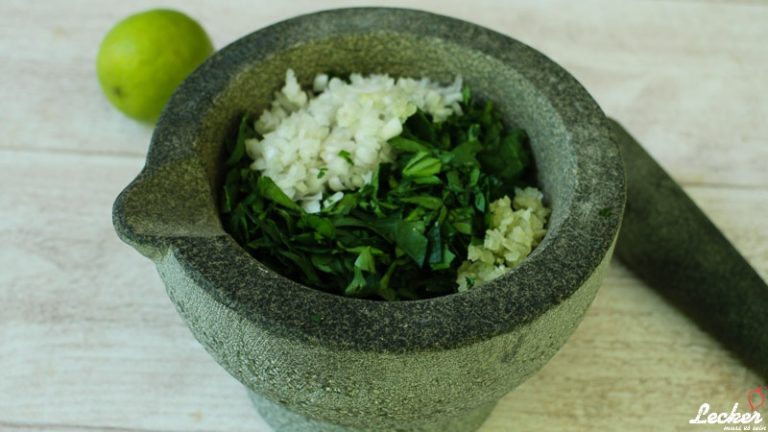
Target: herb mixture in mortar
<point x="382" y="188"/>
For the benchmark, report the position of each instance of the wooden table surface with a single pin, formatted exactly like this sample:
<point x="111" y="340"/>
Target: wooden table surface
<point x="90" y="342"/>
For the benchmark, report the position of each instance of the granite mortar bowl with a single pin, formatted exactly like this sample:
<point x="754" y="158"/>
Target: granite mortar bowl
<point x="313" y="361"/>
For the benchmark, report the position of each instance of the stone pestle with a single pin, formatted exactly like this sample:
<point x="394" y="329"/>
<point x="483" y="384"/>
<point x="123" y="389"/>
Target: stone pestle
<point x="668" y="242"/>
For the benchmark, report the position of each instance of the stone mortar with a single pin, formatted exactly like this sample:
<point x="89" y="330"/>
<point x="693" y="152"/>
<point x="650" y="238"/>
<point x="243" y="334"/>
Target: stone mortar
<point x="313" y="361"/>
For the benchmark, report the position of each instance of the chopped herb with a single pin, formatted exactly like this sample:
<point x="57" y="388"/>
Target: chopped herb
<point x="422" y="165"/>
<point x="466" y="94"/>
<point x="397" y="237"/>
<point x="470" y="282"/>
<point x="346" y="155"/>
<point x="407" y="145"/>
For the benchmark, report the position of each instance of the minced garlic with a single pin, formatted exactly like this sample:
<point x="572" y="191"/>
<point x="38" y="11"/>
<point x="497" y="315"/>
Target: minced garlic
<point x="511" y="237"/>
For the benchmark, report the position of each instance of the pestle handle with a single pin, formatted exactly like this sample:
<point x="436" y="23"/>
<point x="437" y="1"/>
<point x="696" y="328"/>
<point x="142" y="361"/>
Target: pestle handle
<point x="669" y="243"/>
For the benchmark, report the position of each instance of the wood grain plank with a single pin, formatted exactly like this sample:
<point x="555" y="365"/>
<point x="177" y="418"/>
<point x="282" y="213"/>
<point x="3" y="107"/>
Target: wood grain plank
<point x="685" y="77"/>
<point x="58" y="427"/>
<point x="635" y="363"/>
<point x="89" y="340"/>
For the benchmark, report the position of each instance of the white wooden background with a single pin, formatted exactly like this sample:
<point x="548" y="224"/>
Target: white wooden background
<point x="89" y="341"/>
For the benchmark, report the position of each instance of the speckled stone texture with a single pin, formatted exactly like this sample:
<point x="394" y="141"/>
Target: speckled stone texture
<point x="319" y="362"/>
<point x="671" y="244"/>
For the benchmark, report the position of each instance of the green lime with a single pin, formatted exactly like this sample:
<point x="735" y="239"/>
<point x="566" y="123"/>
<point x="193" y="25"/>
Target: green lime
<point x="146" y="56"/>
